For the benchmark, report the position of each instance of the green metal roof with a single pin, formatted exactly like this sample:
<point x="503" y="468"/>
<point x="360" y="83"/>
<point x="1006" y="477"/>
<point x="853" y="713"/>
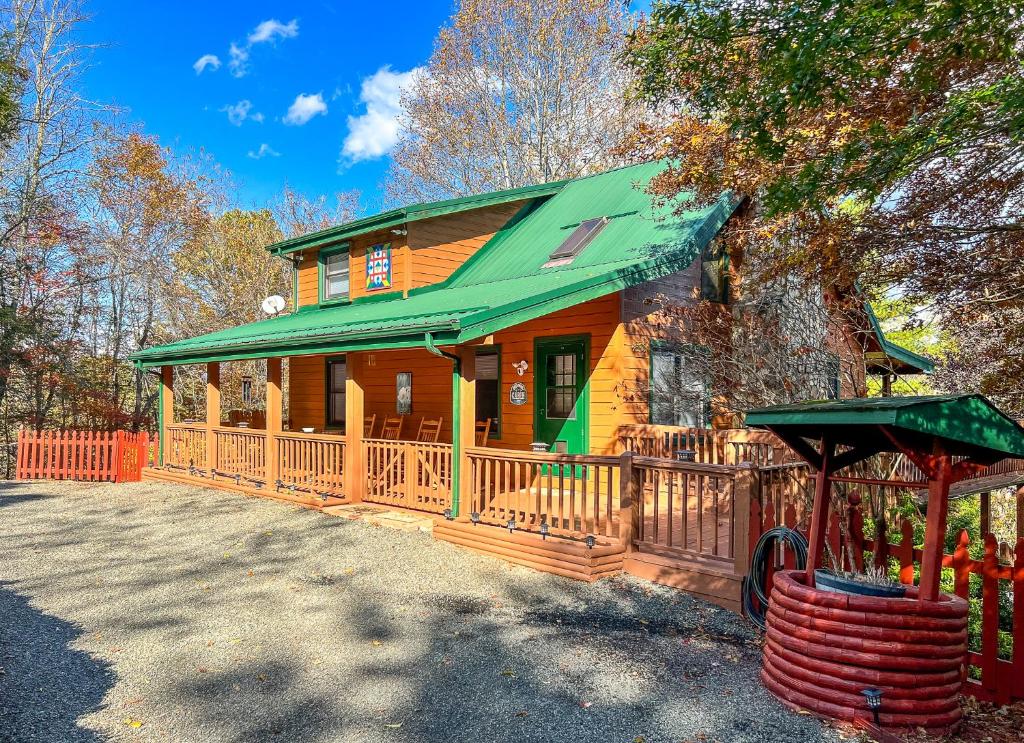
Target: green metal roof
<point x="411" y="213"/>
<point x="504" y="284"/>
<point x="902" y="360"/>
<point x="968" y="424"/>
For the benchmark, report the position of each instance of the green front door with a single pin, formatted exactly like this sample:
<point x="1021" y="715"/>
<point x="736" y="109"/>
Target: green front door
<point x="560" y="414"/>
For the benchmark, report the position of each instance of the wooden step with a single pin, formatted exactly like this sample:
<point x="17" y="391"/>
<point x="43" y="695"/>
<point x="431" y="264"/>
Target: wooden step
<point x="711" y="580"/>
<point x="563" y="557"/>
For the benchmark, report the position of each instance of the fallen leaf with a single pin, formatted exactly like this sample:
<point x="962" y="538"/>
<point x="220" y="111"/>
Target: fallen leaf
<point x="393" y="725"/>
<point x="376" y="643"/>
<point x="261" y="677"/>
<point x="522" y="713"/>
<point x="132" y="723"/>
<point x="508" y="673"/>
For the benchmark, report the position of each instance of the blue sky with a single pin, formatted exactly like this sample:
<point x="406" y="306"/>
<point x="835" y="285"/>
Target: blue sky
<point x="303" y="81"/>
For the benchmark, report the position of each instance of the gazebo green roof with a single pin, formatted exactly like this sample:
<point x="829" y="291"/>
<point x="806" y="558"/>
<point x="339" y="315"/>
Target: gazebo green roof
<point x="968" y="425"/>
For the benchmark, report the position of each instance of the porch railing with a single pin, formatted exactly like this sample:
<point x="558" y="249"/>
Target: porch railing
<point x="312" y="462"/>
<point x="689" y="509"/>
<point x="408" y="474"/>
<point x="241" y="452"/>
<point x="185" y="446"/>
<point x="571" y="495"/>
<point x="709" y="445"/>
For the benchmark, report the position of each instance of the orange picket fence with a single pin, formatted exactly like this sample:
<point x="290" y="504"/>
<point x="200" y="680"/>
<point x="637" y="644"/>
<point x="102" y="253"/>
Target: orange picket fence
<point x="99" y="456"/>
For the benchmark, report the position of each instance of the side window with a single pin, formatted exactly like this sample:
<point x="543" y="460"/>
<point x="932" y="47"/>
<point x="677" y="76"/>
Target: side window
<point x="833" y="377"/>
<point x="679" y="392"/>
<point x="488" y="387"/>
<point x="714" y="273"/>
<point x="336" y="392"/>
<point x="334" y="275"/>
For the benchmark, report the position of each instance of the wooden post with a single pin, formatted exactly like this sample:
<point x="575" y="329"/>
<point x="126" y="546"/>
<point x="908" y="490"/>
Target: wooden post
<point x="744" y="490"/>
<point x="1020" y="512"/>
<point x="273" y="420"/>
<point x="986" y="513"/>
<point x="166" y="406"/>
<point x="464" y="418"/>
<point x="887" y="385"/>
<point x="935" y="526"/>
<point x="819" y="511"/>
<point x="355" y="467"/>
<point x="212" y="414"/>
<point x="629" y="501"/>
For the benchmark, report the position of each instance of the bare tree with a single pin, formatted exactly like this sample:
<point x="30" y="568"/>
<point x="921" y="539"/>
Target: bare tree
<point x="297" y="214"/>
<point x="516" y="92"/>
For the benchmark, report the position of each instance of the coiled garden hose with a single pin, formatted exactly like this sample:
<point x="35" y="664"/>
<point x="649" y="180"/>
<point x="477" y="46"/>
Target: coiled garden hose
<point x="763" y="552"/>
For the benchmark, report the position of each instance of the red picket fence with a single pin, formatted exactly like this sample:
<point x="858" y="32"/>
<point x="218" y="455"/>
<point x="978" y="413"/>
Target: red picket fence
<point x="102" y="456"/>
<point x="995" y="670"/>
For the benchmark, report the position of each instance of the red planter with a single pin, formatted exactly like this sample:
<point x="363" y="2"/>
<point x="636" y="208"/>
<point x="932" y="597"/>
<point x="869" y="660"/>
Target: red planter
<point x="823" y="649"/>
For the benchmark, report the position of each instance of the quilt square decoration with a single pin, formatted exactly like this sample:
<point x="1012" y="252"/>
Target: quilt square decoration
<point x="378" y="267"/>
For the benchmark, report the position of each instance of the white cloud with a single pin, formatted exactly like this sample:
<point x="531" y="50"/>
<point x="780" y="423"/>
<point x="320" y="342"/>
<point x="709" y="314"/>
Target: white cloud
<point x="265" y="150"/>
<point x="207" y="60"/>
<point x="239" y="60"/>
<point x="374" y="133"/>
<point x="304" y="108"/>
<point x="241" y="111"/>
<point x="274" y="29"/>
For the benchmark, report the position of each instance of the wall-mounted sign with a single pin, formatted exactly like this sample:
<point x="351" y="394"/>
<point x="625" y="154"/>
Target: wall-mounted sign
<point x="403" y="404"/>
<point x="517" y="393"/>
<point x="378" y="267"/>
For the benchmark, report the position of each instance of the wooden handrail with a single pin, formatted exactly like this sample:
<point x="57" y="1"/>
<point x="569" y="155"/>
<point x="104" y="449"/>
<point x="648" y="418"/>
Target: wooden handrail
<point x="542" y="457"/>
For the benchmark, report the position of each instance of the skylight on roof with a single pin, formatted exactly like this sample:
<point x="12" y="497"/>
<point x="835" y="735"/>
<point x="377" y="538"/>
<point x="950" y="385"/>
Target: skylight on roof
<point x="580" y="238"/>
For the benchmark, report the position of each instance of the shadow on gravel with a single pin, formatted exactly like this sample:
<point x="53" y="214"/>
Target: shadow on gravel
<point x="46" y="685"/>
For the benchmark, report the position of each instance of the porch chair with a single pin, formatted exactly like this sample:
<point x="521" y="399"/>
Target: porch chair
<point x="392" y="430"/>
<point x="483" y="431"/>
<point x="429" y="431"/>
<point x="368" y="422"/>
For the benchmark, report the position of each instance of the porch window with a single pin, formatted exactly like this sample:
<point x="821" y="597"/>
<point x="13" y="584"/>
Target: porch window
<point x="334" y="275"/>
<point x="336" y="392"/>
<point x="488" y="387"/>
<point x="678" y="389"/>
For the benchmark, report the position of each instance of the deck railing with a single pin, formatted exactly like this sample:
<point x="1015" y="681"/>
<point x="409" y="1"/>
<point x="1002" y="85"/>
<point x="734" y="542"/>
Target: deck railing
<point x="571" y="495"/>
<point x="710" y="445"/>
<point x="689" y="509"/>
<point x="185" y="446"/>
<point x="408" y="474"/>
<point x="311" y="462"/>
<point x="241" y="452"/>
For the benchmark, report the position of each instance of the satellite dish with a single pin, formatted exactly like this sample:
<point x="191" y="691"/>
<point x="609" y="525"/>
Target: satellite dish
<point x="273" y="304"/>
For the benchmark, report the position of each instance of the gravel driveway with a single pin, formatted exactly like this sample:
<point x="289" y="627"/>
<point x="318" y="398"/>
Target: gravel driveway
<point x="169" y="613"/>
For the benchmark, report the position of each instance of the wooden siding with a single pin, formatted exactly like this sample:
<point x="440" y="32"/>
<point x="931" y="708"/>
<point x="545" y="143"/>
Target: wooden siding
<point x="600" y="319"/>
<point x="441" y="245"/>
<point x="431" y="379"/>
<point x="433" y="249"/>
<point x="306" y="392"/>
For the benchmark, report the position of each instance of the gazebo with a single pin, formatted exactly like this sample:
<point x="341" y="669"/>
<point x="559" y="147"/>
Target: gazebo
<point x="834" y="653"/>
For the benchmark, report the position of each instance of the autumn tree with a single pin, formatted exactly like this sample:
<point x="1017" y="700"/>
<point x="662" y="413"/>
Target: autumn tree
<point x="516" y="92"/>
<point x="142" y="207"/>
<point x="880" y="143"/>
<point x="42" y="255"/>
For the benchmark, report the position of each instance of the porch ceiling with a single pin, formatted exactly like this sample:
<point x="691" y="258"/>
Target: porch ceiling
<point x="506" y="283"/>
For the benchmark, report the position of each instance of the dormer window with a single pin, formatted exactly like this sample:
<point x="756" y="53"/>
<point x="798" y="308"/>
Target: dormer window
<point x="580" y="238"/>
<point x="334" y="277"/>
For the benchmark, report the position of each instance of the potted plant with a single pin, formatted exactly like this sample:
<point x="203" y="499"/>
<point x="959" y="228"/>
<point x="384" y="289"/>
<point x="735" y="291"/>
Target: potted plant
<point x="874" y="581"/>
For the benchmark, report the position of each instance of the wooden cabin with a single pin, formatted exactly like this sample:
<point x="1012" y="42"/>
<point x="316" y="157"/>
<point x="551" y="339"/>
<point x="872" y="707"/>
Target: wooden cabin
<point x="434" y="349"/>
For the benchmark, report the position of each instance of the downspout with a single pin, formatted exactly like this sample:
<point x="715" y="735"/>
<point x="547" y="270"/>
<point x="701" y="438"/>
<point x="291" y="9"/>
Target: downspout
<point x="428" y="343"/>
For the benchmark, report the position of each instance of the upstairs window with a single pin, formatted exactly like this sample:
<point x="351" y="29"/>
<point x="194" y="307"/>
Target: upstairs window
<point x="714" y="273"/>
<point x="580" y="238"/>
<point x="334" y="275"/>
<point x="679" y="388"/>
